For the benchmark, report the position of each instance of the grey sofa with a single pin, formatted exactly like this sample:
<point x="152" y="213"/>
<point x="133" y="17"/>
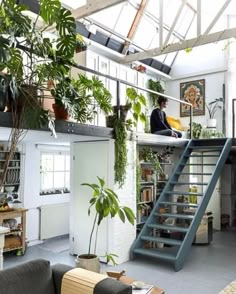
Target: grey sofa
<point x="38" y="277"/>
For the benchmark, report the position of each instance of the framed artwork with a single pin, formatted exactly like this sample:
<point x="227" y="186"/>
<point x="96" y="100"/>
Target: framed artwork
<point x="194" y="93"/>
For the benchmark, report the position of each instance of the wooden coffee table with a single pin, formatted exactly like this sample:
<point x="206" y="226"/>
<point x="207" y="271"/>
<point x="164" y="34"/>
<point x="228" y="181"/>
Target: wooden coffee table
<point x="127" y="280"/>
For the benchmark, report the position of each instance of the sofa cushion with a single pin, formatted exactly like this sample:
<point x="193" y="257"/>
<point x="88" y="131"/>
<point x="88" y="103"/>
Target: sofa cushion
<point x="31" y="277"/>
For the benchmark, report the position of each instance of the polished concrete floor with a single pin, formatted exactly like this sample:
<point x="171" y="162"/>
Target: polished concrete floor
<point x="207" y="270"/>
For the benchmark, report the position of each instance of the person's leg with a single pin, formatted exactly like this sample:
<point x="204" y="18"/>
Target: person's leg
<point x="166" y="132"/>
<point x="179" y="134"/>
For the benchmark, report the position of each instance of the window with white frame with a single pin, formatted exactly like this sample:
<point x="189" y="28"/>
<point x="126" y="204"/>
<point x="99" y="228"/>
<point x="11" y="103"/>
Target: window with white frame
<point x="54" y="173"/>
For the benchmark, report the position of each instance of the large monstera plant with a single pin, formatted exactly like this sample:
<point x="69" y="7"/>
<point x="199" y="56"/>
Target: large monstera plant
<point x="30" y="56"/>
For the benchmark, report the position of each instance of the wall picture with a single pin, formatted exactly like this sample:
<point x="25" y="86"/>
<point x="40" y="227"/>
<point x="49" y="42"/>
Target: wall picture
<point x="194" y="93"/>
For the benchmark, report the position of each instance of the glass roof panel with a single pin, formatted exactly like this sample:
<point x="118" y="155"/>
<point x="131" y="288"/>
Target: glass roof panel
<point x="125" y="20"/>
<point x="108" y="17"/>
<point x="145" y="40"/>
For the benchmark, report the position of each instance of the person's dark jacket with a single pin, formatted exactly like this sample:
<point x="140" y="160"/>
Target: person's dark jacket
<point x="158" y="121"/>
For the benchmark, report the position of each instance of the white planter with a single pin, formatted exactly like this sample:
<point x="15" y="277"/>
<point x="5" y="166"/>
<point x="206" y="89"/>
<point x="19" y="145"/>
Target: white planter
<point x="91" y="262"/>
<point x="211" y="123"/>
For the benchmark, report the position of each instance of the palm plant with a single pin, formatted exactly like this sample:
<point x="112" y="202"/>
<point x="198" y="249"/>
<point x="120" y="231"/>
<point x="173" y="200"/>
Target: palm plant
<point x="106" y="203"/>
<point x="214" y="106"/>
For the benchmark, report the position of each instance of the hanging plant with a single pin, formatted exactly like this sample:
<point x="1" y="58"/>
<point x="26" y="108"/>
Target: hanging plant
<point x="157" y="87"/>
<point x="120" y="136"/>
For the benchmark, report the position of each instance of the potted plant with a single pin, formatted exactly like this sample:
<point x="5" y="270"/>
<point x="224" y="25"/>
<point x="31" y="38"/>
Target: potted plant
<point x="106" y="203"/>
<point x="120" y="123"/>
<point x="81" y="44"/>
<point x="80" y="98"/>
<point x="23" y="44"/>
<point x="212" y="108"/>
<point x="196" y="130"/>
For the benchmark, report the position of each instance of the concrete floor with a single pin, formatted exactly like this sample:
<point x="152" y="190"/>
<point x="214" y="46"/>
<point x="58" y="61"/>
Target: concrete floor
<point x="207" y="270"/>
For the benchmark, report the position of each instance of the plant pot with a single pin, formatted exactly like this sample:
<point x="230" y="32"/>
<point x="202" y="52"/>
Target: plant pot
<point x="89" y="262"/>
<point x="211" y="123"/>
<point x="3" y="92"/>
<point x="60" y="112"/>
<point x="123" y="111"/>
<point x="110" y="121"/>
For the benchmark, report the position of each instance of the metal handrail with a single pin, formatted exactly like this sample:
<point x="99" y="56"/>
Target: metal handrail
<point x="120" y="81"/>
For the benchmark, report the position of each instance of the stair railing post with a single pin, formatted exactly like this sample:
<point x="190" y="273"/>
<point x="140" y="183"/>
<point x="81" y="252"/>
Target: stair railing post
<point x="118" y="97"/>
<point x="191" y="121"/>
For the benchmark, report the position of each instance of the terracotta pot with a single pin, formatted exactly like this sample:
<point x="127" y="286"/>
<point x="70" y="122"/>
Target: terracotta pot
<point x="61" y="112"/>
<point x="89" y="262"/>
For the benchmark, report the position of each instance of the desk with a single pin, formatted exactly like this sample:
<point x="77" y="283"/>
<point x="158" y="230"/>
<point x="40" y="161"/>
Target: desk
<point x="127" y="280"/>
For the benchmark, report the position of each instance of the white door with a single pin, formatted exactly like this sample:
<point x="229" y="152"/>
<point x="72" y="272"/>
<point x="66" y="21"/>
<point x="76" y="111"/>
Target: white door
<point x="90" y="159"/>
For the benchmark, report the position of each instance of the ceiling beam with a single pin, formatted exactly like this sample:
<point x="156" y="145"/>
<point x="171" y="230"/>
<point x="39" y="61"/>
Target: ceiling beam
<point x="93" y="6"/>
<point x="160" y="31"/>
<point x="199" y="17"/>
<point x="191" y="43"/>
<point x="135" y="24"/>
<point x="216" y="18"/>
<point x="175" y="21"/>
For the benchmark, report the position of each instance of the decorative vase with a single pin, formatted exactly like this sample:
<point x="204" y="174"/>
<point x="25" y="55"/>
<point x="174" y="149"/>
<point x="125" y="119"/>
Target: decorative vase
<point x="60" y="112"/>
<point x="211" y="123"/>
<point x="89" y="262"/>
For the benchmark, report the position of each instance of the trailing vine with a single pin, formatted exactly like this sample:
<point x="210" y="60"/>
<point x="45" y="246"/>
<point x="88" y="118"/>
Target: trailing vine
<point x="120" y="136"/>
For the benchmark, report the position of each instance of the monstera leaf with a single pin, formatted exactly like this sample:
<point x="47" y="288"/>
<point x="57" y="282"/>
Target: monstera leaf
<point x="66" y="23"/>
<point x="49" y="10"/>
<point x="66" y="46"/>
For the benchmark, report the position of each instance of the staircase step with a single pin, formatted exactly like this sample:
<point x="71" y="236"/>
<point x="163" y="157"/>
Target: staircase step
<point x="207" y="148"/>
<point x="179" y="204"/>
<point x="155" y="253"/>
<point x="188" y="183"/>
<point x="162" y="240"/>
<point x="194" y="174"/>
<point x="169" y="228"/>
<point x="183" y="193"/>
<point x="198" y="164"/>
<point x="201" y="155"/>
<point x="175" y="215"/>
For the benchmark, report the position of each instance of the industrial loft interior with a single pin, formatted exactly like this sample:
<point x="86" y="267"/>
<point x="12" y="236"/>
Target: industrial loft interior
<point x="117" y="146"/>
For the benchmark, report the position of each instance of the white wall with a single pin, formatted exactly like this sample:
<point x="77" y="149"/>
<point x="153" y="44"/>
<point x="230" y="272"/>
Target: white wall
<point x="207" y="62"/>
<point x="31" y="188"/>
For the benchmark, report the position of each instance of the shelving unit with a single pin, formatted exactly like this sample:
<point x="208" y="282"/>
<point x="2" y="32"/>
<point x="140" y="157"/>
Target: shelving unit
<point x="13" y="171"/>
<point x="15" y="239"/>
<point x="150" y="188"/>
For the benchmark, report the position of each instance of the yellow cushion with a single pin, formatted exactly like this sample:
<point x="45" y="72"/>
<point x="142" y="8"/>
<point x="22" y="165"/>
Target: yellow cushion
<point x="175" y="123"/>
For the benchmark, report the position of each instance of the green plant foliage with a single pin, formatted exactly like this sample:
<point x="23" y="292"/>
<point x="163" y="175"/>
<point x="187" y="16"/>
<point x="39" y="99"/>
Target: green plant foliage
<point x="106" y="203"/>
<point x="196" y="130"/>
<point x="148" y="155"/>
<point x="136" y="101"/>
<point x="214" y="106"/>
<point x="81" y="96"/>
<point x="120" y="136"/>
<point x="211" y="133"/>
<point x="157" y="87"/>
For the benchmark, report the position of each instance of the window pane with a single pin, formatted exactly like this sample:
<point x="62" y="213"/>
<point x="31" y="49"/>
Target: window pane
<point x="46" y="180"/>
<point x="67" y="181"/>
<point x="47" y="162"/>
<point x="67" y="163"/>
<point x="59" y="162"/>
<point x="59" y="181"/>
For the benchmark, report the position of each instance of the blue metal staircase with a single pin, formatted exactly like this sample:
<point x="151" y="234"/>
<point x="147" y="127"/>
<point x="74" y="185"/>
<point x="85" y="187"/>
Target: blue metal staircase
<point x="178" y="236"/>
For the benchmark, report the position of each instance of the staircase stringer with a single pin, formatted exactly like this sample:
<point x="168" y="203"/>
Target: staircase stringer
<point x="183" y="158"/>
<point x="189" y="237"/>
